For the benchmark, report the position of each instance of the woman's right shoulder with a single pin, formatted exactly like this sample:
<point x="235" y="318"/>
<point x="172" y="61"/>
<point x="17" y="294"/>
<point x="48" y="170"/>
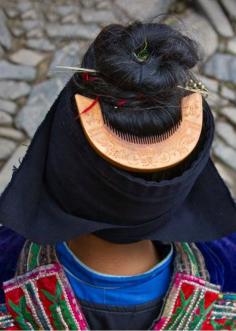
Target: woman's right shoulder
<point x="11" y="244"/>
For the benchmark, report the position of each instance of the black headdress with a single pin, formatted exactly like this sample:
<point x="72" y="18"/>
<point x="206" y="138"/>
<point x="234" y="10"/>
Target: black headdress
<point x="63" y="189"/>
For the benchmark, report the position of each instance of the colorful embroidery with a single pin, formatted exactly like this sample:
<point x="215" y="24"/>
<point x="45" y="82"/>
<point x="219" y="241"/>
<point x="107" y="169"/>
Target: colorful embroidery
<point x="34" y="255"/>
<point x="189" y="260"/>
<point x="189" y="304"/>
<point x="6" y="320"/>
<point x="224" y="313"/>
<point x="193" y="303"/>
<point x="42" y="299"/>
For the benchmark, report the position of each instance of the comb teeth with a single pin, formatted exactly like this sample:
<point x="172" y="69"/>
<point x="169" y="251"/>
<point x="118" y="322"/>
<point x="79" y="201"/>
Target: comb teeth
<point x="143" y="140"/>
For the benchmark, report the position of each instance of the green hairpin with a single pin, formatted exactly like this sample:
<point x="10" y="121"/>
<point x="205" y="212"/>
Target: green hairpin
<point x="143" y="53"/>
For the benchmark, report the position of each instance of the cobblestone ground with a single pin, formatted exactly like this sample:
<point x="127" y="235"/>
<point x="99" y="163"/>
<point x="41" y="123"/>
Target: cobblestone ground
<point x="35" y="36"/>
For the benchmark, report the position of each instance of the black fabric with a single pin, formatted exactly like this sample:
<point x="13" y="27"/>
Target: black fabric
<point x="63" y="189"/>
<point x="104" y="317"/>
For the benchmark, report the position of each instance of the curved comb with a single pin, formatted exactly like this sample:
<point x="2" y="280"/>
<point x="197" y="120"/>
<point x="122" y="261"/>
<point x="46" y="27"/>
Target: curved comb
<point x="143" y="157"/>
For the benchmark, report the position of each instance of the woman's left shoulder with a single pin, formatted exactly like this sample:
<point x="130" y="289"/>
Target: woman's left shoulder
<point x="11" y="244"/>
<point x="220" y="260"/>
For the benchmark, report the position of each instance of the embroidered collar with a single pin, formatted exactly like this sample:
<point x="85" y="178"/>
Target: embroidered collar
<point x="40" y="296"/>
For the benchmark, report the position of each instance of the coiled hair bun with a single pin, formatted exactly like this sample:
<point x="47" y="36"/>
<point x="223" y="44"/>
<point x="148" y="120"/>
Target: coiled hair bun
<point x="142" y="65"/>
<point x="144" y="56"/>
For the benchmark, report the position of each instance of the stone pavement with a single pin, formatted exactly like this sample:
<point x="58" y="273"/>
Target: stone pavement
<point x="35" y="36"/>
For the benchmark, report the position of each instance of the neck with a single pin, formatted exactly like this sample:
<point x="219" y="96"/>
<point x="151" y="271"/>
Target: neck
<point x="115" y="259"/>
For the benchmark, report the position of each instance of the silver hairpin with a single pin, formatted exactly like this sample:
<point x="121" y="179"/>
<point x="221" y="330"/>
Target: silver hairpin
<point x="195" y="86"/>
<point x="76" y="69"/>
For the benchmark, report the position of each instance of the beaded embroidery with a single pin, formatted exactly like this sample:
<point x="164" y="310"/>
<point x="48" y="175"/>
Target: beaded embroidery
<point x="193" y="303"/>
<point x="40" y="296"/>
<point x="6" y="320"/>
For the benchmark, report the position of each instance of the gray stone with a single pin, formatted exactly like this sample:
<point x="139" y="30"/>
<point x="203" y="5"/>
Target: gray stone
<point x="222" y="45"/>
<point x="27" y="57"/>
<point x="29" y="117"/>
<point x="68" y="31"/>
<point x="16" y="31"/>
<point x="228" y="93"/>
<point x="225" y="153"/>
<point x="24" y="6"/>
<point x="40" y="44"/>
<point x="11" y="12"/>
<point x="8" y="106"/>
<point x="35" y="33"/>
<point x="215" y="100"/>
<point x="200" y="30"/>
<point x="13" y="90"/>
<point x="231" y="47"/>
<point x="71" y="19"/>
<point x="5" y="36"/>
<point x="230" y="7"/>
<point x="47" y="90"/>
<point x="1" y="52"/>
<point x="88" y="3"/>
<point x="66" y="10"/>
<point x="15" y="159"/>
<point x="221" y="66"/>
<point x="5" y="119"/>
<point x="217" y="17"/>
<point x="6" y="148"/>
<point x="211" y="84"/>
<point x="215" y="113"/>
<point x="67" y="56"/>
<point x="97" y="16"/>
<point x="229" y="113"/>
<point x="104" y="4"/>
<point x="29" y="15"/>
<point x="52" y="17"/>
<point x="40" y="100"/>
<point x="228" y="175"/>
<point x="31" y="24"/>
<point x="16" y="72"/>
<point x="226" y="132"/>
<point x="140" y="9"/>
<point x="11" y="134"/>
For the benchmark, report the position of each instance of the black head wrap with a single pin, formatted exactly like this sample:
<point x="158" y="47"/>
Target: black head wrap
<point x="64" y="189"/>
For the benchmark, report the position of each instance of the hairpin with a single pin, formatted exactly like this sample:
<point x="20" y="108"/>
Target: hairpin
<point x="191" y="85"/>
<point x="80" y="69"/>
<point x="143" y="53"/>
<point x="195" y="86"/>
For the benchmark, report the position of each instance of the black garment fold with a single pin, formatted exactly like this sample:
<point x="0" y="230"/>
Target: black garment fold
<point x="63" y="189"/>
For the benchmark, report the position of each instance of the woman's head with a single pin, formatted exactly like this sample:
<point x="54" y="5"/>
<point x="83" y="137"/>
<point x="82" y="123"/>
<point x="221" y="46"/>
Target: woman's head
<point x="139" y="70"/>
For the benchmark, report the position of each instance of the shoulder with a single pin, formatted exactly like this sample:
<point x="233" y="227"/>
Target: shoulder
<point x="10" y="247"/>
<point x="220" y="259"/>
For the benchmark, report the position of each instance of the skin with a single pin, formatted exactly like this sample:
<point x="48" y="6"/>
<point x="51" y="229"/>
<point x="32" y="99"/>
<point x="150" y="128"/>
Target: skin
<point x="115" y="259"/>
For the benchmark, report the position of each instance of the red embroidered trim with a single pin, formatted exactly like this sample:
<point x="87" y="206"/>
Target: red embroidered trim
<point x="43" y="299"/>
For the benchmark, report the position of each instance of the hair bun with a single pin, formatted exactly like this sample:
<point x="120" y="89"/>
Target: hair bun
<point x="141" y="57"/>
<point x="141" y="64"/>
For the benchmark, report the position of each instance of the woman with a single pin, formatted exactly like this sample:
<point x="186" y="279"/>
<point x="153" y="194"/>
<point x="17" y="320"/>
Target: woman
<point x="116" y="210"/>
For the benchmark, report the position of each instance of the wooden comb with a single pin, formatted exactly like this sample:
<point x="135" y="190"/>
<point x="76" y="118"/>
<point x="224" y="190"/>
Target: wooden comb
<point x="148" y="154"/>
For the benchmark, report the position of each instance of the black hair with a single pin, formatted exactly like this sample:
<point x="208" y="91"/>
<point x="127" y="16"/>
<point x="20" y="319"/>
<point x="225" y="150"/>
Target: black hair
<point x="141" y="64"/>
